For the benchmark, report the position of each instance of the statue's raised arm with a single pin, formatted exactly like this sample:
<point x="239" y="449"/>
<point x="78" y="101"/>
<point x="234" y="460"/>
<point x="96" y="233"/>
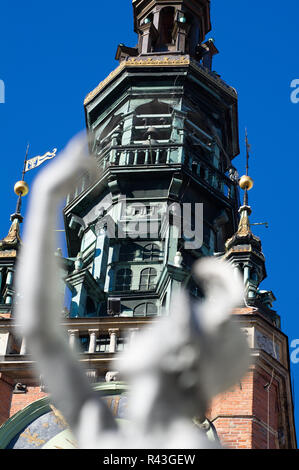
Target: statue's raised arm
<point x="39" y="306"/>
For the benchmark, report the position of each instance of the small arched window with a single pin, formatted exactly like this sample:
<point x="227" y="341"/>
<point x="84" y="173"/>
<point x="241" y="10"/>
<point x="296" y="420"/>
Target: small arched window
<point x="148" y="279"/>
<point x="145" y="310"/>
<point x="123" y="279"/>
<point x="151" y="252"/>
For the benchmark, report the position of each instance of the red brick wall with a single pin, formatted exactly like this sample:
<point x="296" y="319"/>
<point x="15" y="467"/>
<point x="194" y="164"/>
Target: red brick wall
<point x="231" y="414"/>
<point x="20" y="400"/>
<point x="6" y="388"/>
<point x="235" y="433"/>
<point x="240" y="415"/>
<point x="261" y="407"/>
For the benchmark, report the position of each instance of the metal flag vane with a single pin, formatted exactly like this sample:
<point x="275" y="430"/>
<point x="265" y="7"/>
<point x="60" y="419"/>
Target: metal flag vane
<point x="38" y="160"/>
<point x="21" y="188"/>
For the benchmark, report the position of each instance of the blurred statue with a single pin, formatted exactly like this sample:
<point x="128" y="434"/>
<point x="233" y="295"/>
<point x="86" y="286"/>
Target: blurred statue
<point x="173" y="369"/>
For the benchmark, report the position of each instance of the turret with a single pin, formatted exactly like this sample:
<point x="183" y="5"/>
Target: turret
<point x="244" y="251"/>
<point x="173" y="26"/>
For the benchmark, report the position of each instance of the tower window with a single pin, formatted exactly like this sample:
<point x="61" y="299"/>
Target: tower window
<point x="151" y="252"/>
<point x="128" y="252"/>
<point x="166" y="25"/>
<point x="84" y="343"/>
<point x="145" y="310"/>
<point x="121" y="344"/>
<point x="3" y="274"/>
<point x="157" y="115"/>
<point x="123" y="279"/>
<point x="102" y="344"/>
<point x="148" y="279"/>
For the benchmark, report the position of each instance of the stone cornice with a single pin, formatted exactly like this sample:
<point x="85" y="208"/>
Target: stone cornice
<point x="148" y="61"/>
<point x="104" y="323"/>
<point x="161" y="61"/>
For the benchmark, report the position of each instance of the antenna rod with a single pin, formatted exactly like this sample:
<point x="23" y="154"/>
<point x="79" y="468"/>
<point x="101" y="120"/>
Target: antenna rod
<point x="19" y="201"/>
<point x="245" y="203"/>
<point x="25" y="161"/>
<point x="247" y="152"/>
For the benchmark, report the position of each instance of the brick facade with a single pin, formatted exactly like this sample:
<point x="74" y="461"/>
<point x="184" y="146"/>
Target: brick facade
<point x="6" y="388"/>
<point x="21" y="400"/>
<point x="256" y="413"/>
<point x="251" y="414"/>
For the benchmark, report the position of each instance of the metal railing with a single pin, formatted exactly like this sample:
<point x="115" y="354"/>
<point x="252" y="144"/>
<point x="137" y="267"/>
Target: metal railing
<point x="162" y="154"/>
<point x="140" y="155"/>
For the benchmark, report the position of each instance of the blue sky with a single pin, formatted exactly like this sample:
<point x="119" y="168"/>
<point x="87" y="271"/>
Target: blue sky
<point x="53" y="53"/>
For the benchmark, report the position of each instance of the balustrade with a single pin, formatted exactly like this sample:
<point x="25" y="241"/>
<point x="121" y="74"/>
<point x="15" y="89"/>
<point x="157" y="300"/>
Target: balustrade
<point x="210" y="175"/>
<point x="113" y="336"/>
<point x="132" y="156"/>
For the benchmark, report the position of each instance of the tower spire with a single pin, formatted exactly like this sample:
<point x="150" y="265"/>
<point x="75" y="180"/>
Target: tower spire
<point x="13" y="238"/>
<point x="245" y="183"/>
<point x="21" y="189"/>
<point x="244" y="248"/>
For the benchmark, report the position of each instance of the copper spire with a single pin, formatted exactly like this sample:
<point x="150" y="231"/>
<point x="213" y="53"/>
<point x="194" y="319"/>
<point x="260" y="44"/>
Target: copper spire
<point x="12" y="239"/>
<point x="21" y="189"/>
<point x="10" y="243"/>
<point x="244" y="230"/>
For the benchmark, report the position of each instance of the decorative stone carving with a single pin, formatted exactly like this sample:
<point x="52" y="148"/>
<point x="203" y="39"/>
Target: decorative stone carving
<point x="20" y="388"/>
<point x="267" y="344"/>
<point x="111" y="376"/>
<point x="178" y="259"/>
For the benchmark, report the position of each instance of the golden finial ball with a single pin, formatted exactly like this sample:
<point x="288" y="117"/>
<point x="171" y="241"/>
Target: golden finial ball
<point x="246" y="182"/>
<point x="21" y="188"/>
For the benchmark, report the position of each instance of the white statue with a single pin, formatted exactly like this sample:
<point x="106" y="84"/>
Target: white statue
<point x="173" y="370"/>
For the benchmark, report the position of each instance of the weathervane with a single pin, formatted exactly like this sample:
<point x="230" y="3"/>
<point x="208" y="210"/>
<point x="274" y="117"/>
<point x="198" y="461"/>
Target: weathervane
<point x="245" y="181"/>
<point x="21" y="188"/>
